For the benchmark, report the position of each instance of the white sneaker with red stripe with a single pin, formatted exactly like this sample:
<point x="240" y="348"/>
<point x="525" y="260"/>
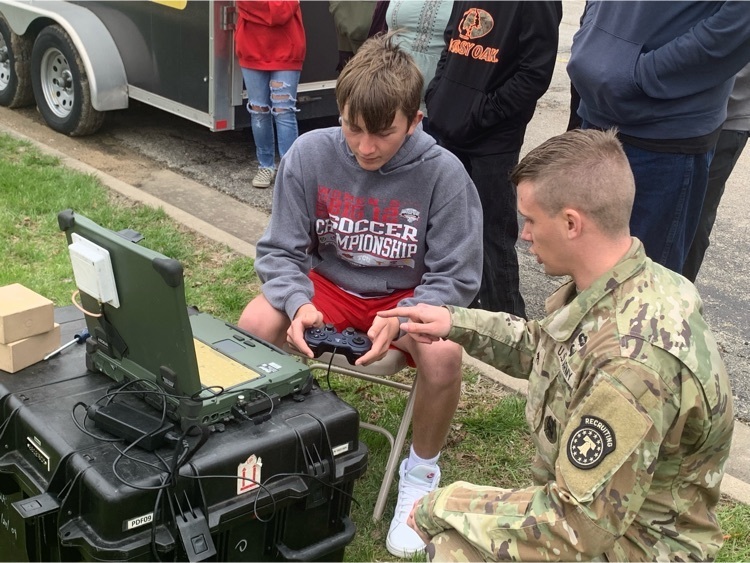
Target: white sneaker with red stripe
<point x="402" y="541"/>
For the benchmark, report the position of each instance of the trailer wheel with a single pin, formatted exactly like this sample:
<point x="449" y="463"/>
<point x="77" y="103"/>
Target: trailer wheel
<point x="15" y="76"/>
<point x="61" y="86"/>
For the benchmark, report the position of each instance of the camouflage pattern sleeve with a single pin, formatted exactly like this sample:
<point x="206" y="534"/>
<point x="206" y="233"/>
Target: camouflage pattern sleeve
<point x="503" y="341"/>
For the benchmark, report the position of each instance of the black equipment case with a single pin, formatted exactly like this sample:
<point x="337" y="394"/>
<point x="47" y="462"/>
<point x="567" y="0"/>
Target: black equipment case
<point x="273" y="488"/>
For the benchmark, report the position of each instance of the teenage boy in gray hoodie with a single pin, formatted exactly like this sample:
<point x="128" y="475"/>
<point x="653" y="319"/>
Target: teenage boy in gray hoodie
<point x="369" y="216"/>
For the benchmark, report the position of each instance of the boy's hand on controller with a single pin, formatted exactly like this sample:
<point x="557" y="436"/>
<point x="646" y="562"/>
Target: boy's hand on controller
<point x="382" y="332"/>
<point x="305" y="317"/>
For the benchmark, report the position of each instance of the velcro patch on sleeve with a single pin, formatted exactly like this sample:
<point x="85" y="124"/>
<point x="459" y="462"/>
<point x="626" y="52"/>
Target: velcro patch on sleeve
<point x="602" y="433"/>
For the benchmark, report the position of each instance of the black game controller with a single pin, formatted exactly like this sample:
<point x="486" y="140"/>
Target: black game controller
<point x="349" y="343"/>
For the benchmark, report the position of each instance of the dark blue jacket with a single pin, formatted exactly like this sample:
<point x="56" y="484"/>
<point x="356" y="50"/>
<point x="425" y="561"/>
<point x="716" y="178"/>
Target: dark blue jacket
<point x="659" y="70"/>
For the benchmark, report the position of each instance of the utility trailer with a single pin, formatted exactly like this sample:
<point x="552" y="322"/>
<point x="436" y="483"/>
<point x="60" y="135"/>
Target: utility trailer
<point x="78" y="60"/>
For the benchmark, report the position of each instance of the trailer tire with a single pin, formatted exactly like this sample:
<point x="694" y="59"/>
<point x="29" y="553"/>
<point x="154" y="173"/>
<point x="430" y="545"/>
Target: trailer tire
<point x="61" y="86"/>
<point x="15" y="65"/>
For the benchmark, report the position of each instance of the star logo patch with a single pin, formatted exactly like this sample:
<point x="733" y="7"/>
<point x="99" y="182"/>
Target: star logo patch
<point x="590" y="443"/>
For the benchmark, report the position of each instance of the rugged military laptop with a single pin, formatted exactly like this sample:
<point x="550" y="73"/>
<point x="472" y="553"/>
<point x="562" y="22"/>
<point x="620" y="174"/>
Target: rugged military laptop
<point x="143" y="335"/>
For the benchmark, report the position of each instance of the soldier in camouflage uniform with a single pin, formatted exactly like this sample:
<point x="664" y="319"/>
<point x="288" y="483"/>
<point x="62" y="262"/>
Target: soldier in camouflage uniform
<point x="629" y="403"/>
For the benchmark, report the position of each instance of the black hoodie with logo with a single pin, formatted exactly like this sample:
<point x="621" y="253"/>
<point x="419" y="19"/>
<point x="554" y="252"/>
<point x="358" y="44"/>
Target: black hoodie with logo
<point x="497" y="63"/>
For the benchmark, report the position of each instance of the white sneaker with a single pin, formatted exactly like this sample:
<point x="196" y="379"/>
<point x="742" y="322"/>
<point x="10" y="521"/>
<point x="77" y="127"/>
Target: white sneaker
<point x="402" y="541"/>
<point x="264" y="178"/>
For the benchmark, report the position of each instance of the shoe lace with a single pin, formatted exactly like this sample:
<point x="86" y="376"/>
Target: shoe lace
<point x="409" y="492"/>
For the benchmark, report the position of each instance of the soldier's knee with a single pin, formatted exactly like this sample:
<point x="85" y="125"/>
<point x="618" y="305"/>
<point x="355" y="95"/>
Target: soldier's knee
<point x="451" y="546"/>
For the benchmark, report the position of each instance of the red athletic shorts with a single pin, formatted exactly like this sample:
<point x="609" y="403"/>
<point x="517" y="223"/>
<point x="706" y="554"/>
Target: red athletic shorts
<point x="346" y="310"/>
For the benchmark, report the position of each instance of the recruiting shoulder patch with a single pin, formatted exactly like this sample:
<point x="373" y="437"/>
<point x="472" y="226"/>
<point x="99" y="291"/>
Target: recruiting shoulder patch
<point x="601" y="434"/>
<point x="590" y="443"/>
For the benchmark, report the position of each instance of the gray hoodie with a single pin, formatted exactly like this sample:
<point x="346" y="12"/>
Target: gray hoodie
<point x="738" y="107"/>
<point x="415" y="223"/>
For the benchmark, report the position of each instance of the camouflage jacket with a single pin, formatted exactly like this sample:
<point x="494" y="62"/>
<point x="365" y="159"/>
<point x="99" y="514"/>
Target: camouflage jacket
<point x="630" y="410"/>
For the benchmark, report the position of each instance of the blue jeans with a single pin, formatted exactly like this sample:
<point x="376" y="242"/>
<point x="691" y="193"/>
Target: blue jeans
<point x="669" y="192"/>
<point x="499" y="290"/>
<point x="278" y="102"/>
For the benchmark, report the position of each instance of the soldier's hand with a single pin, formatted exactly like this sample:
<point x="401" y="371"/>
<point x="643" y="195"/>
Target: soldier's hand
<point x="427" y="323"/>
<point x="411" y="521"/>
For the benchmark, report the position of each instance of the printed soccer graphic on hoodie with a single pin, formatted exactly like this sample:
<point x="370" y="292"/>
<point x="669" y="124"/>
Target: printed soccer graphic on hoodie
<point x="365" y="232"/>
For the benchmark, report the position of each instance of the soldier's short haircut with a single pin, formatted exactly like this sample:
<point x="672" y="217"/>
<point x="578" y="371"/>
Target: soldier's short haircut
<point x="378" y="81"/>
<point x="583" y="169"/>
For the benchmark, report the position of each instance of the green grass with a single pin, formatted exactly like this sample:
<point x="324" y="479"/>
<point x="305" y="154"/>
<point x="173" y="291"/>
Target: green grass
<point x="488" y="442"/>
<point x="735" y="523"/>
<point x="34" y="188"/>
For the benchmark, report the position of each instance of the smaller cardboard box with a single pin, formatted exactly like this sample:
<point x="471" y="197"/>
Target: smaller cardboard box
<point x="22" y="353"/>
<point x="23" y="313"/>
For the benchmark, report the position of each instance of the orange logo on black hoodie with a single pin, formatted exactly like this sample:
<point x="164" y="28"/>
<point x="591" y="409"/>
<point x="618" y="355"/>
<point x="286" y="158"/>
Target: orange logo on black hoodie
<point x="476" y="23"/>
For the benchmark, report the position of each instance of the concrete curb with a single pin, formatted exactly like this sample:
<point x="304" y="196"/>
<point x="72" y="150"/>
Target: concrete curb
<point x="736" y="480"/>
<point x="135" y="194"/>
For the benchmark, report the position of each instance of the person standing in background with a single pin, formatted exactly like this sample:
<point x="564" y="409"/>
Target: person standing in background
<point x="497" y="63"/>
<point x="352" y="20"/>
<point x="421" y="27"/>
<point x="661" y="73"/>
<point x="270" y="45"/>
<point x="729" y="147"/>
<point x="378" y="24"/>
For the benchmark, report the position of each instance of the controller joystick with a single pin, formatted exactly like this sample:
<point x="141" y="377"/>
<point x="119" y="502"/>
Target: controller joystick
<point x="350" y="343"/>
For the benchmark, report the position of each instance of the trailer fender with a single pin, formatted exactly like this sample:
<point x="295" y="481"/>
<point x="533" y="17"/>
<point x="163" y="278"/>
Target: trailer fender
<point x="92" y="40"/>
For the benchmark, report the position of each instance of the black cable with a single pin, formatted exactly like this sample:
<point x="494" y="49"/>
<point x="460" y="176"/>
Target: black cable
<point x="68" y="487"/>
<point x="124" y="453"/>
<point x="244" y="415"/>
<point x="316" y="478"/>
<point x="183" y="452"/>
<point x="154" y="552"/>
<point x="156" y="389"/>
<point x="275" y="477"/>
<point x="196" y="396"/>
<point x="124" y="481"/>
<point x="5" y="424"/>
<point x="179" y="457"/>
<point x="328" y="370"/>
<point x="82" y="426"/>
<point x="240" y="478"/>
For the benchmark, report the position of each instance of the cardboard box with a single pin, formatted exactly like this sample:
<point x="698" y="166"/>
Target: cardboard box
<point x="23" y="313"/>
<point x="22" y="353"/>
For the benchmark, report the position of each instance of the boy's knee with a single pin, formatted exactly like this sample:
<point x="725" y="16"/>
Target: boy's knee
<point x="440" y="363"/>
<point x="261" y="319"/>
<point x="444" y="355"/>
